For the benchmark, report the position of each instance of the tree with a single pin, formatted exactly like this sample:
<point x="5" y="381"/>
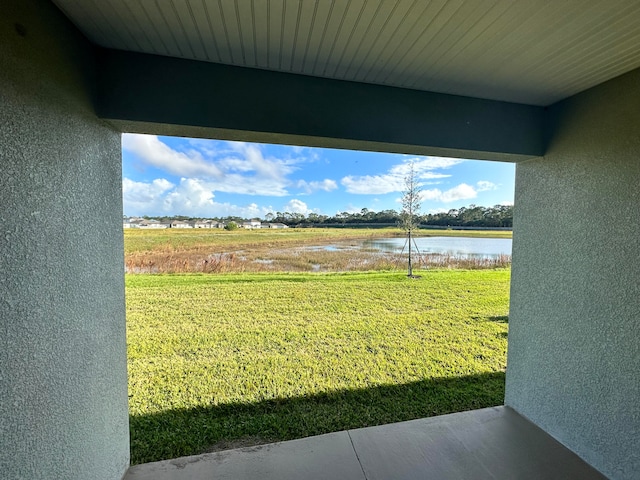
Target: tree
<point x="410" y="208"/>
<point x="342" y="217"/>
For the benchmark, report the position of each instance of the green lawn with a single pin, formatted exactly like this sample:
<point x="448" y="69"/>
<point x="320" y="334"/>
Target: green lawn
<point x="217" y="361"/>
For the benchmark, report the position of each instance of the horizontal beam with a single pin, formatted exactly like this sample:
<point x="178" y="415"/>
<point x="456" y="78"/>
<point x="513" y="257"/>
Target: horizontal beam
<point x="143" y="93"/>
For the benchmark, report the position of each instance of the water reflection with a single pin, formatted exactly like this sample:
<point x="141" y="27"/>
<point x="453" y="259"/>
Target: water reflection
<point x="462" y="247"/>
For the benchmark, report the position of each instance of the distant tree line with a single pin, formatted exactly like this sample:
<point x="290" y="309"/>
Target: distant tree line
<point x="471" y="216"/>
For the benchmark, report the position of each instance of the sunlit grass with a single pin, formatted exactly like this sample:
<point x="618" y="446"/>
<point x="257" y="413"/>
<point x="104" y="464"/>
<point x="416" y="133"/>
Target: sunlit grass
<point x="172" y="239"/>
<point x="225" y="360"/>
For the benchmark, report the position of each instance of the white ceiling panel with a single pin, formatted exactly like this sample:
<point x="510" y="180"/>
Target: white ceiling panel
<point x="527" y="51"/>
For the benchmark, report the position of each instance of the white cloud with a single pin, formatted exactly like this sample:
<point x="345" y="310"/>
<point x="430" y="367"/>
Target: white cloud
<point x="238" y="167"/>
<point x="459" y="192"/>
<point x="394" y="179"/>
<point x="252" y="210"/>
<point x="484" y="185"/>
<point x="462" y="191"/>
<point x="150" y="150"/>
<point x="372" y="184"/>
<point x="425" y="164"/>
<point x="251" y="185"/>
<point x="309" y="187"/>
<point x="297" y="149"/>
<point x="380" y="184"/>
<point x="138" y="195"/>
<point x="249" y="158"/>
<point x="192" y="197"/>
<point x="297" y="206"/>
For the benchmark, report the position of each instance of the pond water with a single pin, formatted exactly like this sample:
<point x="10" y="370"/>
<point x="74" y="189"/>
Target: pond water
<point x="463" y="247"/>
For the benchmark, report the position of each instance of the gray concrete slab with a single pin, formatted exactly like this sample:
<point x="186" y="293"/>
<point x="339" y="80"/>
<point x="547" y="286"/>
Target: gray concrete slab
<point x="492" y="443"/>
<point x="328" y="457"/>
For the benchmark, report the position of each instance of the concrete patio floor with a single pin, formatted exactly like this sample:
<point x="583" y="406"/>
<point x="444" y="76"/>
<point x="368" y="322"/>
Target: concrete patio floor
<point x="492" y="443"/>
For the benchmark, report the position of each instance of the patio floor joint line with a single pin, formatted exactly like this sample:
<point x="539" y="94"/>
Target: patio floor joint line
<point x="364" y="474"/>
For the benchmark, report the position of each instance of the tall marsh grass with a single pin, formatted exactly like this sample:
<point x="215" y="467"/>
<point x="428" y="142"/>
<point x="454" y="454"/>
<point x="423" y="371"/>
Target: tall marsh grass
<point x="293" y="250"/>
<point x="299" y="260"/>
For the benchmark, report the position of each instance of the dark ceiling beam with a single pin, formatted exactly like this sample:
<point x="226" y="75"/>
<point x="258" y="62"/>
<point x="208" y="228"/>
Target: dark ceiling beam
<point x="144" y="93"/>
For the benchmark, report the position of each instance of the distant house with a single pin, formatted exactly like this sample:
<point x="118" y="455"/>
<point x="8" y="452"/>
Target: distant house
<point x="277" y="225"/>
<point x="152" y="224"/>
<point x="251" y="224"/>
<point x="132" y="222"/>
<point x="135" y="222"/>
<point x="180" y="224"/>
<point x="203" y="224"/>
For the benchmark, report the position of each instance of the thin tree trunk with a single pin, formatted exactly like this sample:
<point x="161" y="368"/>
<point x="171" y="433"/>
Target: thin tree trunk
<point x="410" y="272"/>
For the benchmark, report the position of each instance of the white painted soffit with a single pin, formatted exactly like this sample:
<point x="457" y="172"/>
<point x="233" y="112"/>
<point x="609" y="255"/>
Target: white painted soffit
<point x="526" y="51"/>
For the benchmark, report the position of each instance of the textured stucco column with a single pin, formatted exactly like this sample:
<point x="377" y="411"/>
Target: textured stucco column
<point x="574" y="333"/>
<point x="63" y="385"/>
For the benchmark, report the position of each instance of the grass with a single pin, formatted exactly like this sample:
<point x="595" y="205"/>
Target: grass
<point x="219" y="251"/>
<point x="146" y="240"/>
<point x="218" y="361"/>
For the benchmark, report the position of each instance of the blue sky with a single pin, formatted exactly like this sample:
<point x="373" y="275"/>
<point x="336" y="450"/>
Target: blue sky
<point x="212" y="178"/>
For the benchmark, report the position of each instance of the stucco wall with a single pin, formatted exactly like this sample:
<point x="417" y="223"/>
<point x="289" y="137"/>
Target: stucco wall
<point x="574" y="333"/>
<point x="63" y="386"/>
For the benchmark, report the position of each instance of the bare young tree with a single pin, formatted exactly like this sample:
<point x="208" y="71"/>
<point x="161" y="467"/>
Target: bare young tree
<point x="410" y="208"/>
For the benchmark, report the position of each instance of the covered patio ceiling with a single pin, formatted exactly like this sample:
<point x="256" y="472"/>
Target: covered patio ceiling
<point x="532" y="52"/>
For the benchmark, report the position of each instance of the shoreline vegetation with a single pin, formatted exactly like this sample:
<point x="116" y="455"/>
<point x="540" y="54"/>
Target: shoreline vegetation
<point x="244" y="251"/>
